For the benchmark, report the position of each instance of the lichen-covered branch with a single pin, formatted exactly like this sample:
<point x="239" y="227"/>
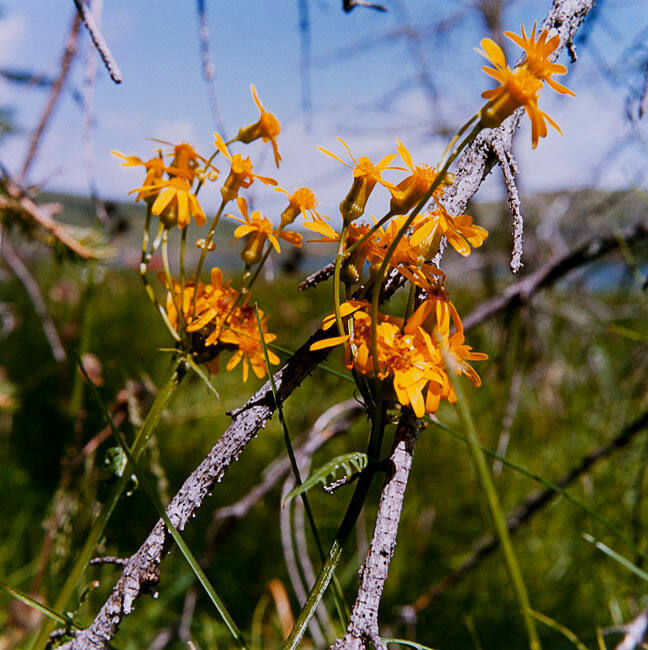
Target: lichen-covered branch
<point x="363" y="624"/>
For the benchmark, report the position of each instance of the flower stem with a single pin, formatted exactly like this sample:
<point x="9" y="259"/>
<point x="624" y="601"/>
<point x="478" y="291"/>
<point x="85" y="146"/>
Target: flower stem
<point x="143" y="268"/>
<point x="169" y="278"/>
<point x="344" y="531"/>
<point x="336" y="278"/>
<point x="494" y="504"/>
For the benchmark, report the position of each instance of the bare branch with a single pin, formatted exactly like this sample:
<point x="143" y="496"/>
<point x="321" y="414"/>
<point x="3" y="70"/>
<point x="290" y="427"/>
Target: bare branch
<point x="207" y="67"/>
<point x="521" y="292"/>
<point x="99" y="41"/>
<point x="643" y="102"/>
<point x="21" y="271"/>
<point x="21" y="205"/>
<point x="509" y="169"/>
<point x="349" y="5"/>
<point x="363" y="624"/>
<point x="66" y="62"/>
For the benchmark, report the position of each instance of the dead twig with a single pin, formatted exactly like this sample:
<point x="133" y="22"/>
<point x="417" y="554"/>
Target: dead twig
<point x="521" y="292"/>
<point x="66" y="62"/>
<point x="20" y="270"/>
<point x="363" y="624"/>
<point x="99" y="41"/>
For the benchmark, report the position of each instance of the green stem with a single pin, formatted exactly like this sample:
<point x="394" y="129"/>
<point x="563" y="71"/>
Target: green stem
<point x="183" y="248"/>
<point x="169" y="278"/>
<point x="495" y="507"/>
<point x="336" y="278"/>
<point x="161" y="400"/>
<point x="342" y="536"/>
<point x="143" y="268"/>
<point x="340" y="604"/>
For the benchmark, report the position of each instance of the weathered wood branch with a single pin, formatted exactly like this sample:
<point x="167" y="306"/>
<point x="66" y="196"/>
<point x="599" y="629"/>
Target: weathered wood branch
<point x="363" y="624"/>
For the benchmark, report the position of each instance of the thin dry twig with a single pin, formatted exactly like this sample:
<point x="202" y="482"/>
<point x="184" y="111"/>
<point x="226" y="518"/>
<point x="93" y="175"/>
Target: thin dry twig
<point x="22" y="206"/>
<point x="20" y="270"/>
<point x="349" y="5"/>
<point x="521" y="292"/>
<point x="509" y="170"/>
<point x="99" y="41"/>
<point x="66" y="62"/>
<point x="363" y="624"/>
<point x="207" y="67"/>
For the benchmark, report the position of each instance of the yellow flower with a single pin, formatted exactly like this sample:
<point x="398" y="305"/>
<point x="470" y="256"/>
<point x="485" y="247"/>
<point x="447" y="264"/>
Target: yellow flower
<point x="155" y="168"/>
<point x="257" y="229"/>
<point x="365" y="177"/>
<point x="174" y="202"/>
<point x="301" y="201"/>
<point x="240" y="175"/>
<point x="185" y="162"/>
<point x="267" y="128"/>
<point x="242" y="331"/>
<point x="413" y="188"/>
<point x="459" y="231"/>
<point x="520" y="87"/>
<point x="537" y="57"/>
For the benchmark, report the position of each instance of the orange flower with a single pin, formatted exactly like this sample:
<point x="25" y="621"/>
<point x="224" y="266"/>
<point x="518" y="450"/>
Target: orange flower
<point x="413" y="188"/>
<point x="353" y="265"/>
<point x="301" y="201"/>
<point x="408" y="355"/>
<point x="460" y="231"/>
<point x="175" y="203"/>
<point x="365" y="177"/>
<point x="537" y="61"/>
<point x="520" y="87"/>
<point x="257" y="229"/>
<point x="220" y="324"/>
<point x="267" y="128"/>
<point x="240" y="173"/>
<point x="242" y="331"/>
<point x="185" y="162"/>
<point x="155" y="168"/>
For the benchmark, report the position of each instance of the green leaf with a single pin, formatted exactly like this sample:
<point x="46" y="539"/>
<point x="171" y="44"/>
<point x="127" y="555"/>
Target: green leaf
<point x="565" y="631"/>
<point x="356" y="461"/>
<point x="43" y="609"/>
<point x="201" y="373"/>
<point x="615" y="556"/>
<point x="410" y="644"/>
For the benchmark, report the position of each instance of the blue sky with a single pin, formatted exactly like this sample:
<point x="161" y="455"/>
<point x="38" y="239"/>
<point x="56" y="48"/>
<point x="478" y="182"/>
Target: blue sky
<point x="361" y="89"/>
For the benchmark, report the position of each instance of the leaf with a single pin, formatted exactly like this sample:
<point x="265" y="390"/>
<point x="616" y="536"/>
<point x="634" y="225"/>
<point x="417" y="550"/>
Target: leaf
<point x="565" y="631"/>
<point x="353" y="462"/>
<point x="40" y="607"/>
<point x="201" y="373"/>
<point x="411" y="644"/>
<point x="616" y="556"/>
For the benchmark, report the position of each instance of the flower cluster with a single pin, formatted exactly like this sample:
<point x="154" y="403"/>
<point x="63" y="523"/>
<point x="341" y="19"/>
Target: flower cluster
<point x="409" y="354"/>
<point x="219" y="319"/>
<point x="414" y="355"/>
